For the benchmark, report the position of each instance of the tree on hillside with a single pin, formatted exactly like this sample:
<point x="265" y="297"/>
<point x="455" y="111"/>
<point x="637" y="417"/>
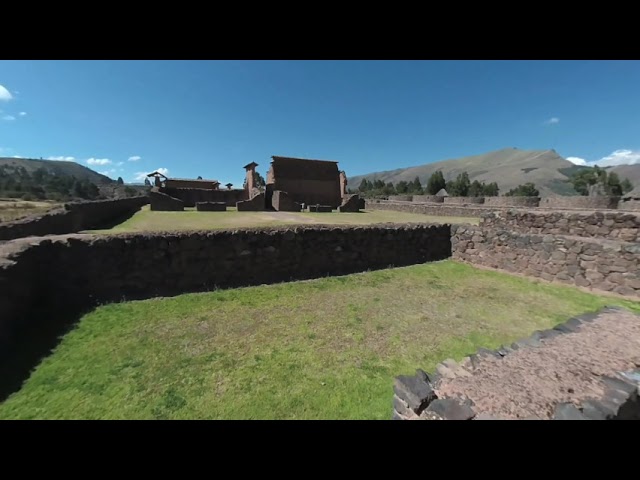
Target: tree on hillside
<point x="626" y="185"/>
<point x="491" y="190"/>
<point x="476" y="189"/>
<point x="365" y="186"/>
<point x="526" y="190"/>
<point x="147" y="182"/>
<point x="415" y="187"/>
<point x="435" y="183"/>
<point x="596" y="181"/>
<point x="402" y="186"/>
<point x="460" y="186"/>
<point x="378" y="184"/>
<point x="199" y="177"/>
<point x="120" y="181"/>
<point x="389" y="189"/>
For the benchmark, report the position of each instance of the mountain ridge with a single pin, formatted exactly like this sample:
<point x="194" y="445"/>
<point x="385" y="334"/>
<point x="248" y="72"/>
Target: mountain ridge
<point x="509" y="167"/>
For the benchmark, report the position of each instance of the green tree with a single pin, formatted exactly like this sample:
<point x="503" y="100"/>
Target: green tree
<point x="147" y="182"/>
<point x="120" y="181"/>
<point x="476" y="189"/>
<point x="525" y="190"/>
<point x="415" y="187"/>
<point x="436" y="183"/>
<point x="259" y="180"/>
<point x="402" y="186"/>
<point x="491" y="190"/>
<point x="460" y="186"/>
<point x="365" y="186"/>
<point x="388" y="189"/>
<point x="626" y="185"/>
<point x="378" y="184"/>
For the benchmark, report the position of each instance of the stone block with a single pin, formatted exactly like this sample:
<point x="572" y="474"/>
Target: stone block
<point x="415" y="391"/>
<point x="450" y="409"/>
<point x="211" y="206"/>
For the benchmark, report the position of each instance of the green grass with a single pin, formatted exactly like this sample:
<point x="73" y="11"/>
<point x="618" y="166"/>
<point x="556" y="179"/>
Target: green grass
<point x="147" y="221"/>
<point x="320" y="349"/>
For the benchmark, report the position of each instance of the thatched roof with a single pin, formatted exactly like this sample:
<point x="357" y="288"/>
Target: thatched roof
<point x="442" y="193"/>
<point x="289" y="167"/>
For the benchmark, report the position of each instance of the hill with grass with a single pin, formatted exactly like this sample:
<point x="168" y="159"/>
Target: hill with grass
<point x="31" y="179"/>
<point x="509" y="167"/>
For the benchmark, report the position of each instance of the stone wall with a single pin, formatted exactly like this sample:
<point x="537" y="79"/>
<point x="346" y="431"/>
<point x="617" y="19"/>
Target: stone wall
<point x="463" y="200"/>
<point x="631" y="204"/>
<point x="427" y="199"/>
<point x="73" y="217"/>
<point x="350" y="204"/>
<point x="612" y="225"/>
<point x="580" y="202"/>
<point x="596" y="263"/>
<point x="255" y="204"/>
<point x="161" y="202"/>
<point x="191" y="196"/>
<point x="39" y="277"/>
<point x="211" y="207"/>
<point x="400" y="198"/>
<point x="282" y="202"/>
<point x="512" y="201"/>
<point x="427" y="209"/>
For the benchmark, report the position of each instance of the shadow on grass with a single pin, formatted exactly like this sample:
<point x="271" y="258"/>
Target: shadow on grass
<point x="32" y="343"/>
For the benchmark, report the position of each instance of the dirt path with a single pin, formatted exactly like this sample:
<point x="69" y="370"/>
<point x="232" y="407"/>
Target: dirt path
<point x="530" y="381"/>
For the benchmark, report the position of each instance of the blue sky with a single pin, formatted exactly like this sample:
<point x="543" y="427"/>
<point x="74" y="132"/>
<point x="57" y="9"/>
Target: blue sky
<point x="210" y="118"/>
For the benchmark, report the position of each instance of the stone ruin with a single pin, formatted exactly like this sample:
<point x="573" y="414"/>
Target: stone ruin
<point x="291" y="184"/>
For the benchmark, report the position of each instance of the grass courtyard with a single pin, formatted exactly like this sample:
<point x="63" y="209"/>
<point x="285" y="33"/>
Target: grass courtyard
<point x="14" y="209"/>
<point x="147" y="221"/>
<point x="319" y="349"/>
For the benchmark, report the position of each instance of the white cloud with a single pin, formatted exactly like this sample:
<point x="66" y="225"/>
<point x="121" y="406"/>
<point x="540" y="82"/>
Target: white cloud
<point x="18" y="156"/>
<point x="62" y="158"/>
<point x="120" y="164"/>
<point x="577" y="160"/>
<point x="22" y="114"/>
<point x="5" y="95"/>
<point x="135" y="158"/>
<point x="618" y="157"/>
<point x="99" y="161"/>
<point x="8" y="118"/>
<point x="552" y="121"/>
<point x="108" y="172"/>
<point x="140" y="176"/>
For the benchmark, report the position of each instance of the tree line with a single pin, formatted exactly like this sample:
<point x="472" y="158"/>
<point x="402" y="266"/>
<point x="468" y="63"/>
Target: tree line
<point x="462" y="186"/>
<point x="594" y="181"/>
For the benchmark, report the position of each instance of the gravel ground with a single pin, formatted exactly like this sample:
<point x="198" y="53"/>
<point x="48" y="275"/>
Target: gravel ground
<point x="529" y="382"/>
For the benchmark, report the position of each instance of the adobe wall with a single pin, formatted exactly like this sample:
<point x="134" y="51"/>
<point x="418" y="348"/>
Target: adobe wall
<point x="427" y="199"/>
<point x="73" y="217"/>
<point x="585" y="262"/>
<point x="463" y="200"/>
<point x="255" y="204"/>
<point x="72" y="272"/>
<point x="211" y="207"/>
<point x="400" y="198"/>
<point x="191" y="196"/>
<point x="426" y="208"/>
<point x="613" y="225"/>
<point x="512" y="201"/>
<point x="281" y="202"/>
<point x="323" y="192"/>
<point x="580" y="202"/>
<point x="161" y="202"/>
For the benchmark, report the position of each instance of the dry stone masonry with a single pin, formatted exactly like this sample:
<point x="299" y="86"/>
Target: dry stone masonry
<point x="591" y="372"/>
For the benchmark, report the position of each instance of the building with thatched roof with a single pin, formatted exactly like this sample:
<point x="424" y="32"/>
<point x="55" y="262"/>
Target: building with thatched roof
<point x="442" y="193"/>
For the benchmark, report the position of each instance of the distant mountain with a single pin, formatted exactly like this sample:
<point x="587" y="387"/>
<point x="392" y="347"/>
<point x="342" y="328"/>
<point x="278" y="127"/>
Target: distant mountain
<point x="508" y="167"/>
<point x="57" y="168"/>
